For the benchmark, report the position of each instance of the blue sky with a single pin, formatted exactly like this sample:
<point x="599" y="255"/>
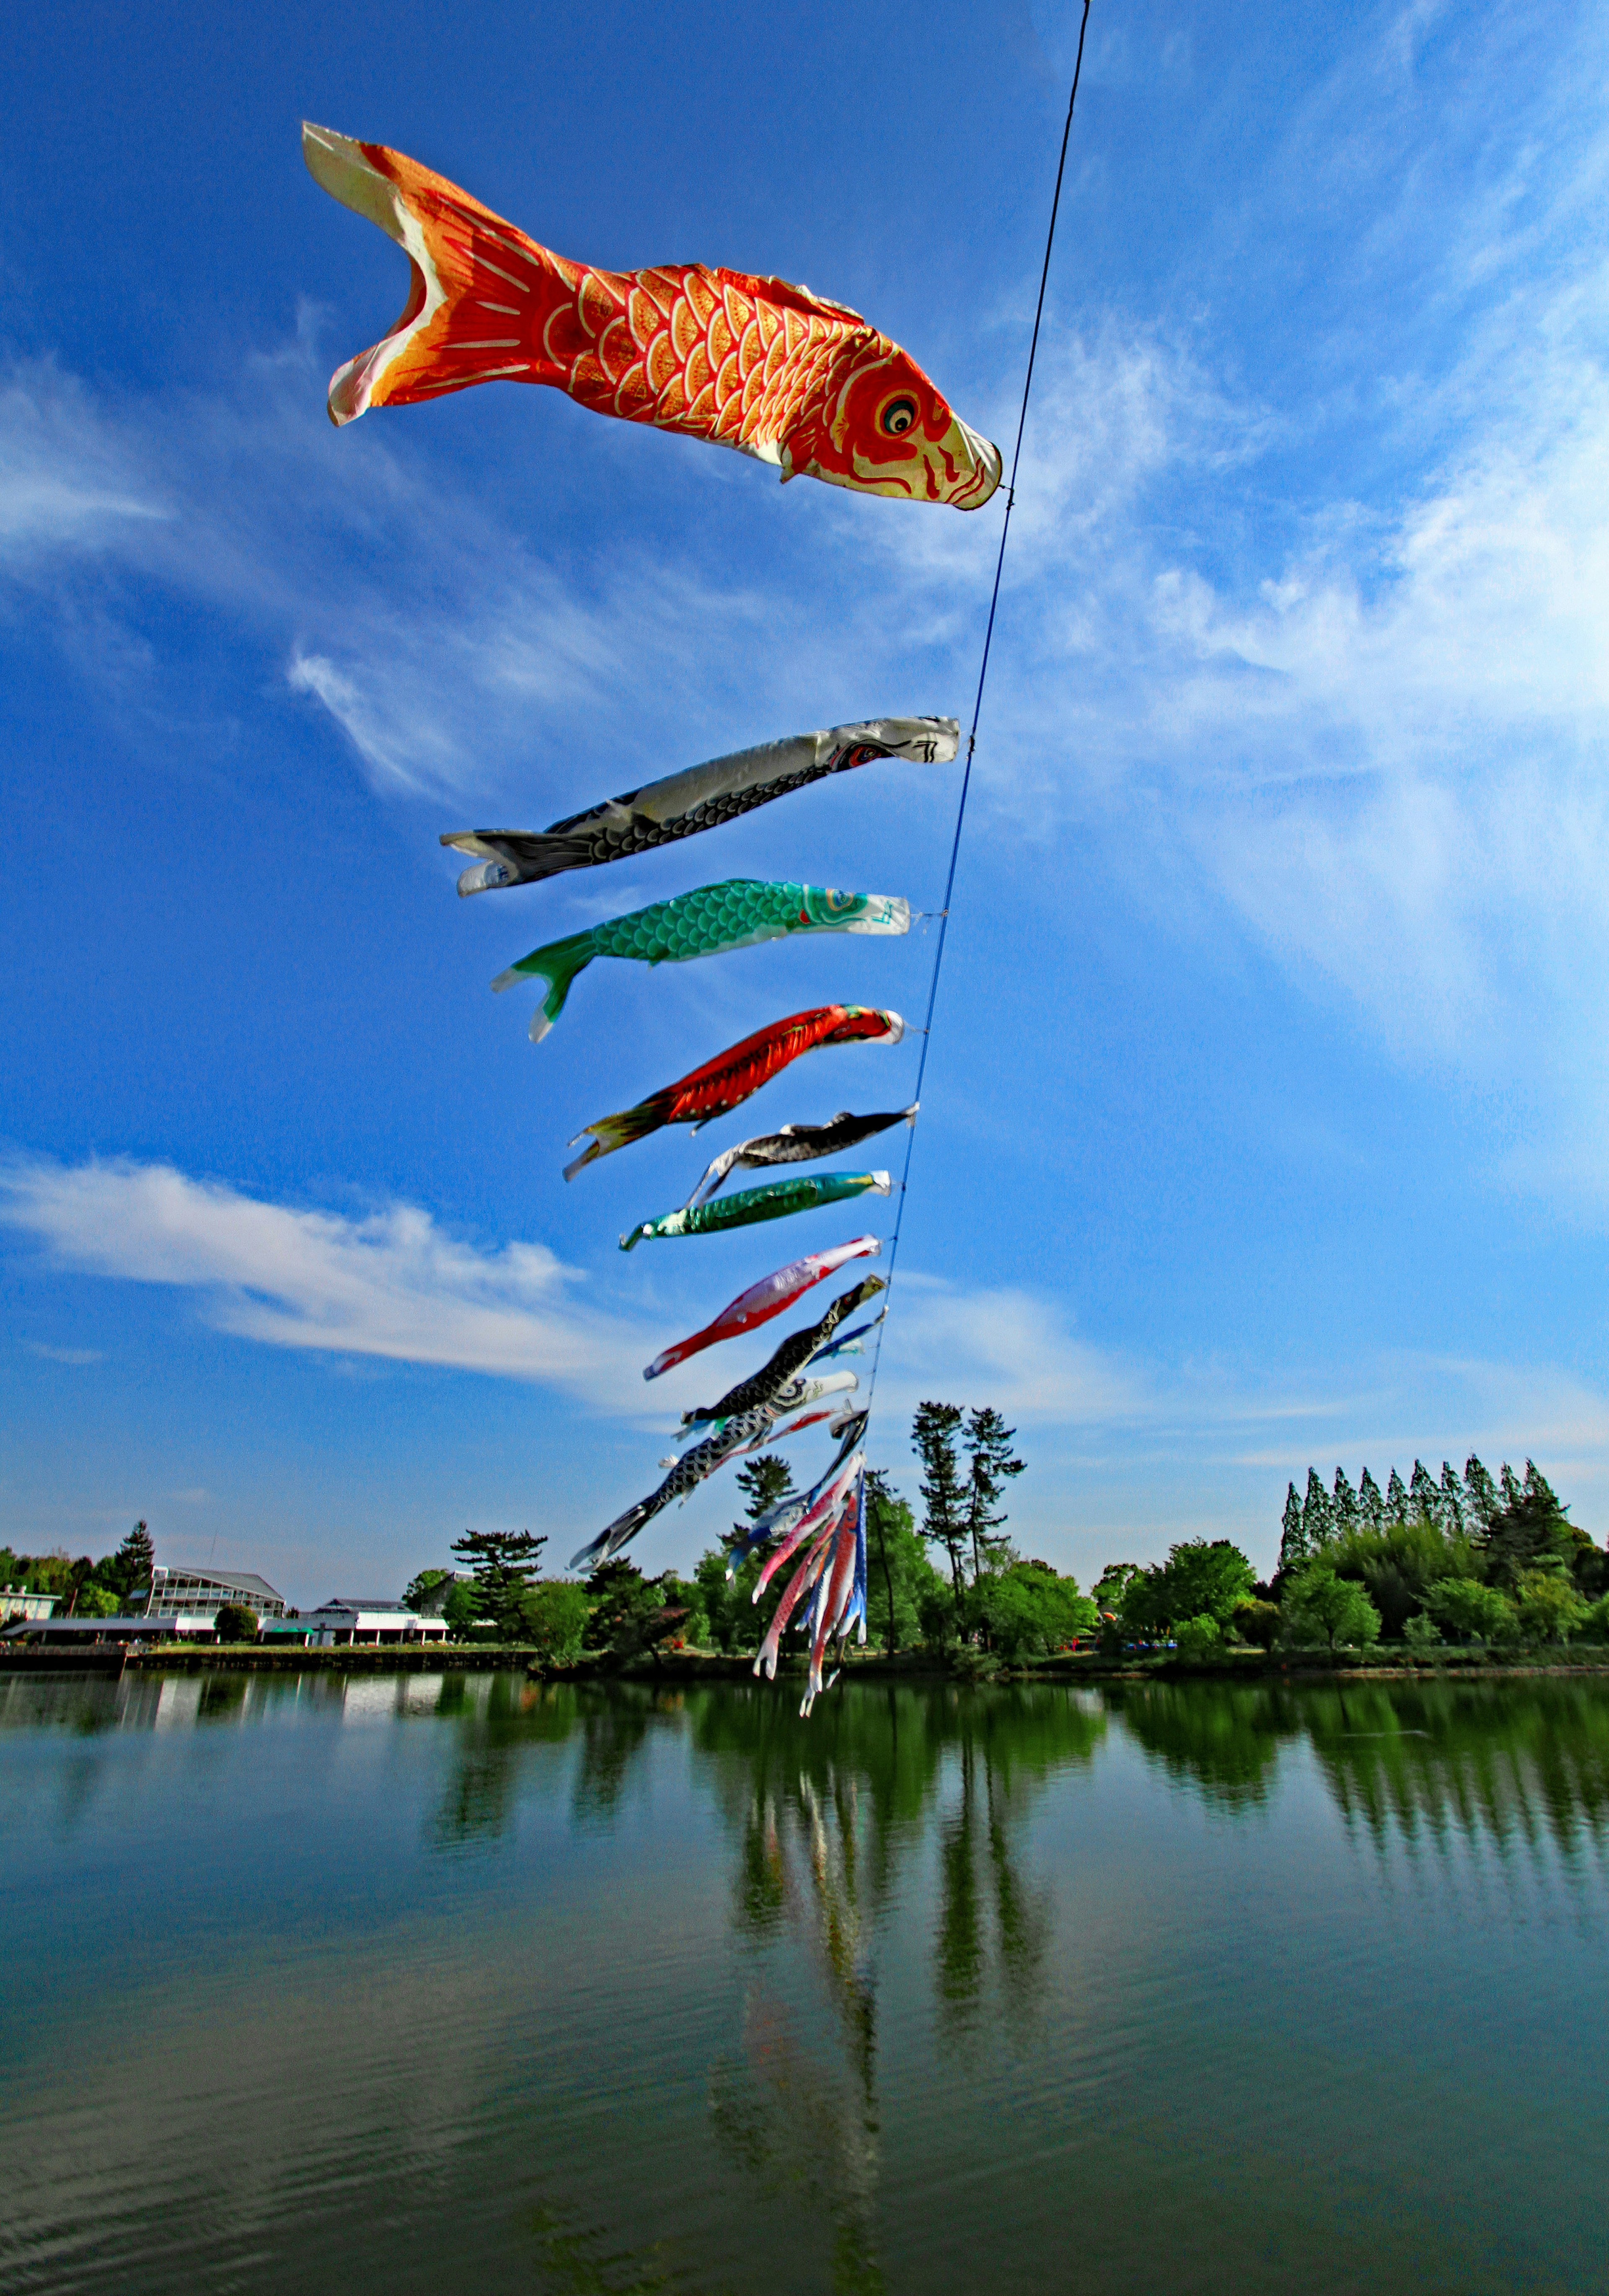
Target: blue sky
<point x="1265" y="1120"/>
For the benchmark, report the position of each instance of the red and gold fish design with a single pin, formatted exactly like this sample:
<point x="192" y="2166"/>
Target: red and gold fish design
<point x="752" y="363"/>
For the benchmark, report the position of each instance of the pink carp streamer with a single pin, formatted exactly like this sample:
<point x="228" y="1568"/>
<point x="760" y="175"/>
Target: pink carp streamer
<point x="769" y="1296"/>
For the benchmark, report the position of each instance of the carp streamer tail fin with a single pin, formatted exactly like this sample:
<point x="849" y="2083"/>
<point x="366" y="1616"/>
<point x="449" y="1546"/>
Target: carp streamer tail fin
<point x="616" y="1131"/>
<point x="557" y="963"/>
<point x="479" y="292"/>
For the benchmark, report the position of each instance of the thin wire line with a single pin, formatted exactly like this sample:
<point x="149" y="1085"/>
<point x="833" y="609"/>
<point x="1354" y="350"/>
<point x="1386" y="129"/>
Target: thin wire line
<point x="926" y="1031"/>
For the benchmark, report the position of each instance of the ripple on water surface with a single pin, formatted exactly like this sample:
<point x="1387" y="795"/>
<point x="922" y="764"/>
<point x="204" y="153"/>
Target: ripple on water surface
<point x="445" y="1981"/>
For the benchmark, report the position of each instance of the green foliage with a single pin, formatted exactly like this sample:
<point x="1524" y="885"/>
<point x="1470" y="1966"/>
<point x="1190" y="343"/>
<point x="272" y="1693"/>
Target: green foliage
<point x="1255" y="1621"/>
<point x="1596" y="1624"/>
<point x="427" y="1591"/>
<point x="1397" y="1565"/>
<point x="938" y="1615"/>
<point x="1421" y="1632"/>
<point x="503" y="1568"/>
<point x="462" y="1607"/>
<point x="1550" y="1610"/>
<point x="731" y="1620"/>
<point x="765" y="1483"/>
<point x="1203" y="1577"/>
<point x="1471" y="1612"/>
<point x="1198" y="1637"/>
<point x="991" y="1465"/>
<point x="234" y="1623"/>
<point x="944" y="1496"/>
<point x="1528" y="1533"/>
<point x="1318" y="1604"/>
<point x="1028" y="1610"/>
<point x="97" y="1601"/>
<point x="128" y="1571"/>
<point x="899" y="1574"/>
<point x="552" y="1619"/>
<point x="1293" y="1539"/>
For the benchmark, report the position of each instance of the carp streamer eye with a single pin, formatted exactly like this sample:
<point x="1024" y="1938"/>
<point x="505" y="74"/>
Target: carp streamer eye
<point x="897" y="416"/>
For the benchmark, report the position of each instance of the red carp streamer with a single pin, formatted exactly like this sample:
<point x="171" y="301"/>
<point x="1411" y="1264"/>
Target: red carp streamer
<point x="734" y="1076"/>
<point x="754" y="364"/>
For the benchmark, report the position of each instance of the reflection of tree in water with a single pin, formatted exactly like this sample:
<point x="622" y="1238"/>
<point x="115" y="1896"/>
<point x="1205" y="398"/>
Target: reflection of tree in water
<point x="582" y="2260"/>
<point x="1225" y="1736"/>
<point x="614" y="1726"/>
<point x="1445" y="1760"/>
<point x="495" y="1721"/>
<point x="1512" y="1763"/>
<point x="828" y="1813"/>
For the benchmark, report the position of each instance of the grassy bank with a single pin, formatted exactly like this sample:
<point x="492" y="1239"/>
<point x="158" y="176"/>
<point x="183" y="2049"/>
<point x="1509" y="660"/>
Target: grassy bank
<point x="1382" y="1663"/>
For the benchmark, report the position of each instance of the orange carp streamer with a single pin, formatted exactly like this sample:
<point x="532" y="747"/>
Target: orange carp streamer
<point x="752" y="363"/>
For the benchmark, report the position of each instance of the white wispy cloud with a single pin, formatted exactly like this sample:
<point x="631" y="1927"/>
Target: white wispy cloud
<point x="391" y="1284"/>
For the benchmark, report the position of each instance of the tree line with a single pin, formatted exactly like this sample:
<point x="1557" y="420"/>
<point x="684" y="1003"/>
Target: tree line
<point x="85" y="1589"/>
<point x="949" y="1581"/>
<point x="1462" y="1559"/>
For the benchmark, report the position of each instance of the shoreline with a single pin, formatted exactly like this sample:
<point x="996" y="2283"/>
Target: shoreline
<point x="681" y="1667"/>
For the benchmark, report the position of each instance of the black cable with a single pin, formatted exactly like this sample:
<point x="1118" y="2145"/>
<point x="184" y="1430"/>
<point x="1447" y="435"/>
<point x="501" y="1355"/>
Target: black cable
<point x="972" y="739"/>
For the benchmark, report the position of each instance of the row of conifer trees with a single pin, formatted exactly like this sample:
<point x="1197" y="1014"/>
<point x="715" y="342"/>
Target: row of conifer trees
<point x="1469" y="1506"/>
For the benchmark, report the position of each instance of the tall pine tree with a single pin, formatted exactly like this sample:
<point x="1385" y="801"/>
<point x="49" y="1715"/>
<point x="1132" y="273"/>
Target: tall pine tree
<point x="992" y="1465"/>
<point x="1452" y="1502"/>
<point x="1293" y="1539"/>
<point x="1318" y="1522"/>
<point x="1396" y="1498"/>
<point x="944" y="1494"/>
<point x="1371" y="1506"/>
<point x="1423" y="1496"/>
<point x="1344" y="1499"/>
<point x="502" y="1565"/>
<point x="1482" y="1505"/>
<point x="132" y="1566"/>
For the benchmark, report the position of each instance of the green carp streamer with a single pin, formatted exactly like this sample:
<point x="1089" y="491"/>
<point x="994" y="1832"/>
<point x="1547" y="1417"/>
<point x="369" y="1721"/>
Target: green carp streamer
<point x="715" y="918"/>
<point x="775" y="1200"/>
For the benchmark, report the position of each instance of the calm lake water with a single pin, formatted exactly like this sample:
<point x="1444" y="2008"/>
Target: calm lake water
<point x="457" y="1983"/>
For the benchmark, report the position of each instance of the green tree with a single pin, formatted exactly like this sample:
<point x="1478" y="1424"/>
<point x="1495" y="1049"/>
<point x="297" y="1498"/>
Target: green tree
<point x="234" y="1623"/>
<point x="1202" y="1577"/>
<point x="502" y="1569"/>
<point x="552" y="1616"/>
<point x="1343" y="1504"/>
<point x="765" y="1483"/>
<point x="944" y="1496"/>
<point x="1530" y="1532"/>
<point x="1398" y="1564"/>
<point x="1198" y="1637"/>
<point x="898" y="1567"/>
<point x="1318" y="1518"/>
<point x="1396" y="1498"/>
<point x="1481" y="1500"/>
<point x="427" y="1591"/>
<point x="1029" y="1610"/>
<point x="1256" y="1622"/>
<point x="95" y="1601"/>
<point x="1421" y="1633"/>
<point x="1318" y="1602"/>
<point x="1452" y="1502"/>
<point x="1423" y="1499"/>
<point x="1292" y="1538"/>
<point x="131" y="1568"/>
<point x="1551" y="1609"/>
<point x="731" y="1620"/>
<point x="992" y="1464"/>
<point x="1371" y="1506"/>
<point x="1472" y="1612"/>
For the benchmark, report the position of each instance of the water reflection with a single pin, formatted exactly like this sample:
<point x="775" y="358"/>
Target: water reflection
<point x="775" y="2001"/>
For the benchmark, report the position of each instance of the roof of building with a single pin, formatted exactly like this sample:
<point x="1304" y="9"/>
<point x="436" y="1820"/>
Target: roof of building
<point x="234" y="1582"/>
<point x="356" y="1603"/>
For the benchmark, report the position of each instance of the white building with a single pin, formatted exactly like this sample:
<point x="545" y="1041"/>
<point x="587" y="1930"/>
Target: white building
<point x="346" y="1619"/>
<point x="16" y="1603"/>
<point x="185" y="1592"/>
